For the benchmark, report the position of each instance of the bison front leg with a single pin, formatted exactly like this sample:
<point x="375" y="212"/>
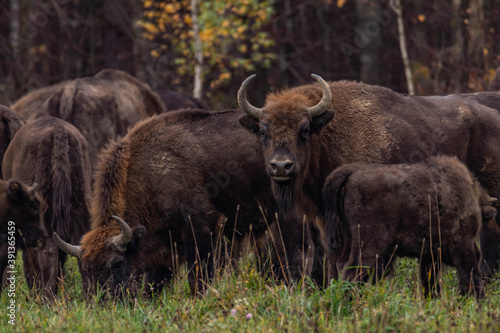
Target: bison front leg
<point x="197" y="238"/>
<point x="4" y="262"/>
<point x="296" y="250"/>
<point x="469" y="277"/>
<point x="429" y="270"/>
<point x="490" y="244"/>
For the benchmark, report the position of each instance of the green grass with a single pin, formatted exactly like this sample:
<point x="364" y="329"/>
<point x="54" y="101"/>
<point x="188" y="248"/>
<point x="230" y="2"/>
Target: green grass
<point x="392" y="305"/>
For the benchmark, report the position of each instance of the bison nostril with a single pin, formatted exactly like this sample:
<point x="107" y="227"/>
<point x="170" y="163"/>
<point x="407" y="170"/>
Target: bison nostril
<point x="274" y="167"/>
<point x="288" y="167"/>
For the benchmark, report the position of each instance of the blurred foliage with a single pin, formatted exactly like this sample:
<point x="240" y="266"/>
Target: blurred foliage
<point x="452" y="44"/>
<point x="232" y="35"/>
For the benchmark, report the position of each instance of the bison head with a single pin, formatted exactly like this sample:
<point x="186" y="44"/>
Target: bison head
<point x="107" y="261"/>
<point x="286" y="125"/>
<point x="22" y="206"/>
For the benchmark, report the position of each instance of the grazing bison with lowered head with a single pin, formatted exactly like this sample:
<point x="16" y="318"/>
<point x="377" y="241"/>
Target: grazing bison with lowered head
<point x="429" y="210"/>
<point x="173" y="181"/>
<point x="310" y="130"/>
<point x="101" y="107"/>
<point x="10" y="123"/>
<point x="52" y="153"/>
<point x="20" y="225"/>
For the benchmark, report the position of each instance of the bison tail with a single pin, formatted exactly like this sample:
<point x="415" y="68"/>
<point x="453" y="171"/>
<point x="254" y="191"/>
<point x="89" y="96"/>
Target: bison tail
<point x="335" y="218"/>
<point x="61" y="184"/>
<point x="67" y="100"/>
<point x="495" y="83"/>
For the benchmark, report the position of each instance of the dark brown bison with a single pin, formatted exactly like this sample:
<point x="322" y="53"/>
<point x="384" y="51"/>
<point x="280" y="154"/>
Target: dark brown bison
<point x="52" y="153"/>
<point x="175" y="100"/>
<point x="101" y="107"/>
<point x="175" y="178"/>
<point x="308" y="131"/>
<point x="10" y="123"/>
<point x="429" y="210"/>
<point x="20" y="225"/>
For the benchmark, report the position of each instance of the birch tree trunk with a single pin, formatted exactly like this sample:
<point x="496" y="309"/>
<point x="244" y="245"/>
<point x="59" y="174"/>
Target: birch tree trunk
<point x="198" y="66"/>
<point x="398" y="9"/>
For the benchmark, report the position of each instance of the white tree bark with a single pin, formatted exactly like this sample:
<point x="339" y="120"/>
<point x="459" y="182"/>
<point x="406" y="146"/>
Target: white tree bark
<point x="398" y="9"/>
<point x="198" y="66"/>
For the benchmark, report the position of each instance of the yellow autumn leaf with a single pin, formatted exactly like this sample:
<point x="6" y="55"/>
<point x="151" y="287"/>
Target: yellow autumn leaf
<point x="170" y="8"/>
<point x="155" y="53"/>
<point x="224" y="76"/>
<point x="340" y="3"/>
<point x="148" y="3"/>
<point x="241" y="29"/>
<point x="421" y="18"/>
<point x="485" y="51"/>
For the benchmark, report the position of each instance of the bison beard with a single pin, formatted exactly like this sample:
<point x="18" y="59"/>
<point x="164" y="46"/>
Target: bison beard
<point x="284" y="194"/>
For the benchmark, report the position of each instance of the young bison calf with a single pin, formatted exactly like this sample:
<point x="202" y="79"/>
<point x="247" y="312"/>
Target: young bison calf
<point x="431" y="210"/>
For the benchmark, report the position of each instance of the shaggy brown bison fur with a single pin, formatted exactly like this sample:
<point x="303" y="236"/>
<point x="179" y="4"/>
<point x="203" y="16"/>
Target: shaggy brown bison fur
<point x="10" y="123"/>
<point x="174" y="179"/>
<point x="52" y="153"/>
<point x="310" y="130"/>
<point x="429" y="210"/>
<point x="101" y="107"/>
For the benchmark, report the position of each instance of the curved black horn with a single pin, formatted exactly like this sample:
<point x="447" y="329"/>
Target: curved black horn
<point x="121" y="241"/>
<point x="321" y="107"/>
<point x="249" y="109"/>
<point x="74" y="250"/>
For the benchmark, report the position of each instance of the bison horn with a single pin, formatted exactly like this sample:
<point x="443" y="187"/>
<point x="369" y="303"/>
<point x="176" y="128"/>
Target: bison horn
<point x="33" y="189"/>
<point x="249" y="109"/>
<point x="319" y="108"/>
<point x="74" y="250"/>
<point x="121" y="241"/>
<point x="492" y="200"/>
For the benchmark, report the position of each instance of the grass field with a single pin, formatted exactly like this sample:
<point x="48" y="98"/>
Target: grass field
<point x="241" y="300"/>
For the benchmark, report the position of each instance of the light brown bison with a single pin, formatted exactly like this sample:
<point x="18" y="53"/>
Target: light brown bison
<point x="310" y="130"/>
<point x="10" y="123"/>
<point x="173" y="181"/>
<point x="429" y="210"/>
<point x="101" y="107"/>
<point x="52" y="153"/>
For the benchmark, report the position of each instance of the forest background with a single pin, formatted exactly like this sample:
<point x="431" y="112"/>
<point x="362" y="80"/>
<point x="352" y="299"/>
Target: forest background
<point x="453" y="45"/>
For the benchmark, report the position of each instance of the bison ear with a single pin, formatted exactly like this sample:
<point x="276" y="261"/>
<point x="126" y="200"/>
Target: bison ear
<point x="14" y="190"/>
<point x="488" y="212"/>
<point x="249" y="123"/>
<point x="137" y="234"/>
<point x="320" y="121"/>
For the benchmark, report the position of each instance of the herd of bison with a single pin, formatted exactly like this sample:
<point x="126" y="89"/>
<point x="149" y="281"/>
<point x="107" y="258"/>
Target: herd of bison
<point x="329" y="180"/>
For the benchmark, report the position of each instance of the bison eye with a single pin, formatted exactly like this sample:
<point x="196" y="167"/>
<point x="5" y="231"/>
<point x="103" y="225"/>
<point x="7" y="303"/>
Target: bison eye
<point x="304" y="133"/>
<point x="118" y="266"/>
<point x="263" y="135"/>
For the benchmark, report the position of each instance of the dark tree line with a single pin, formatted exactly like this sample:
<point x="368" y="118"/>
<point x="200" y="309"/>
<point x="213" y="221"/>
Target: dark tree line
<point x="453" y="46"/>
